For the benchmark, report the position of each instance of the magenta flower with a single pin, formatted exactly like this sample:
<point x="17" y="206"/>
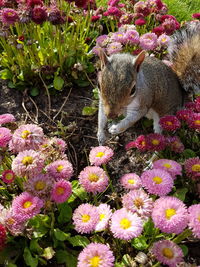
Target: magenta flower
<point x="102" y="40"/>
<point x="137" y="201"/>
<point x="32" y="3"/>
<point x="126" y="19"/>
<point x="9" y="16"/>
<point x="140" y="22"/>
<point x="170" y="25"/>
<point x="167" y="252"/>
<point x="6" y="118"/>
<point x="26" y="205"/>
<point x="196" y="15"/>
<point x="170" y="215"/>
<point x="171" y="166"/>
<point x="158" y="30"/>
<point x="62" y="190"/>
<point x="194" y="219"/>
<point x="28" y="163"/>
<point x="163" y="40"/>
<point x="60" y="169"/>
<point x="5" y="136"/>
<point x="175" y="144"/>
<point x="132" y="36"/>
<point x="184" y="114"/>
<point x="197" y="104"/>
<point x="96" y="49"/>
<point x="194" y="121"/>
<point x="114" y="47"/>
<point x="140" y="143"/>
<point x="100" y="155"/>
<point x="170" y="123"/>
<point x="96" y="254"/>
<point x="155" y="142"/>
<point x="28" y="136"/>
<point x="39" y="14"/>
<point x="3" y="237"/>
<point x="157" y="181"/>
<point x="85" y="218"/>
<point x="125" y="225"/>
<point x="8" y="176"/>
<point x="113" y="11"/>
<point x="105" y="214"/>
<point x="148" y="41"/>
<point x="155" y="5"/>
<point x="191" y="106"/>
<point x="39" y="185"/>
<point x="93" y="179"/>
<point x="142" y="8"/>
<point x="192" y="167"/>
<point x="131" y="181"/>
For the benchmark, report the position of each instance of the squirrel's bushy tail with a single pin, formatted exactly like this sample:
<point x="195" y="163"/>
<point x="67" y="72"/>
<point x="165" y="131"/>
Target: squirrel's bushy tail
<point x="184" y="53"/>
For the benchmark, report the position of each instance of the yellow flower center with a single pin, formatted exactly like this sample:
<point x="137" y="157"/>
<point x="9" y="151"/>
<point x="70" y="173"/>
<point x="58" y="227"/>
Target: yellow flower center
<point x="25" y="134"/>
<point x="138" y="202"/>
<point x="59" y="190"/>
<point x="59" y="168"/>
<point x="100" y="154"/>
<point x="9" y="176"/>
<point x="40" y="185"/>
<point x="95" y="261"/>
<point x="27" y="160"/>
<point x="168" y="253"/>
<point x="102" y="216"/>
<point x="164" y="39"/>
<point x="131" y="181"/>
<point x="167" y="165"/>
<point x="196" y="168"/>
<point x="85" y="218"/>
<point x="197" y="122"/>
<point x="157" y="180"/>
<point x="10" y="221"/>
<point x="93" y="177"/>
<point x="198" y="218"/>
<point x="143" y="143"/>
<point x="125" y="224"/>
<point x="155" y="142"/>
<point x="169" y="213"/>
<point x="169" y="123"/>
<point x="27" y="204"/>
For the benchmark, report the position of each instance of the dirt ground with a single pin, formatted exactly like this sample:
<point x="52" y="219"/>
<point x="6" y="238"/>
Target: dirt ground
<point x="65" y="118"/>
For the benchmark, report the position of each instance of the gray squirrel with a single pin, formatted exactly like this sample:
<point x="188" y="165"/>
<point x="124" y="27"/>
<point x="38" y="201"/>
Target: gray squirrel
<point x="139" y="86"/>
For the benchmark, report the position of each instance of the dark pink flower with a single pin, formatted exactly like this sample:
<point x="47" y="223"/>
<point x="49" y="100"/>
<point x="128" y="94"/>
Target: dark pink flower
<point x="184" y="114"/>
<point x="192" y="167"/>
<point x="194" y="121"/>
<point x="196" y="15"/>
<point x="32" y="3"/>
<point x="39" y="15"/>
<point x="140" y="22"/>
<point x="170" y="25"/>
<point x="9" y="16"/>
<point x="191" y="105"/>
<point x="155" y="142"/>
<point x="158" y="30"/>
<point x="2" y="237"/>
<point x="197" y="104"/>
<point x="55" y="16"/>
<point x="113" y="11"/>
<point x="175" y="144"/>
<point x="170" y="123"/>
<point x="140" y="143"/>
<point x="95" y="18"/>
<point x="142" y="7"/>
<point x="8" y="176"/>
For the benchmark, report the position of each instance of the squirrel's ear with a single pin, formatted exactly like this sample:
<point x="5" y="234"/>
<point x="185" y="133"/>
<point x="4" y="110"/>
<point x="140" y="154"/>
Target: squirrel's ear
<point x="103" y="58"/>
<point x="139" y="59"/>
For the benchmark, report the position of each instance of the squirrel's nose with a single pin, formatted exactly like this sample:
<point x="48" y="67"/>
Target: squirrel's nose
<point x="111" y="115"/>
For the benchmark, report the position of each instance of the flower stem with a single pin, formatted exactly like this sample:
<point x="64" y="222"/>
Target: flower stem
<point x="105" y="169"/>
<point x="186" y="233"/>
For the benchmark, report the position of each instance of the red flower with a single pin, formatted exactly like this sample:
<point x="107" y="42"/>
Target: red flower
<point x="158" y="30"/>
<point x="170" y="123"/>
<point x="140" y="22"/>
<point x="155" y="142"/>
<point x="39" y="15"/>
<point x="2" y="237"/>
<point x="32" y="3"/>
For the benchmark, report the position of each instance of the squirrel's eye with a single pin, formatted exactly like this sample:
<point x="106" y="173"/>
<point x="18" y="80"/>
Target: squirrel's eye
<point x="132" y="91"/>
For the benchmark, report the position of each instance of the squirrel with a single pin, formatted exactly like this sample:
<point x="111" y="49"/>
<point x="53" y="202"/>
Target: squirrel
<point x="139" y="86"/>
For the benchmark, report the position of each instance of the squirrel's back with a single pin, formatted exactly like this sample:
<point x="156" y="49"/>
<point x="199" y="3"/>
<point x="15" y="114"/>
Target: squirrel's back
<point x="184" y="53"/>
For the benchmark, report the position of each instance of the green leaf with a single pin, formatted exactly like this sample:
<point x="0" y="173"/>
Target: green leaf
<point x="48" y="253"/>
<point x="184" y="249"/>
<point x="29" y="259"/>
<point x="5" y="74"/>
<point x="118" y="264"/>
<point x="58" y="83"/>
<point x="89" y="111"/>
<point x="60" y="235"/>
<point x="11" y="85"/>
<point x="21" y="76"/>
<point x="10" y="264"/>
<point x="149" y="227"/>
<point x="65" y="213"/>
<point x="40" y="224"/>
<point x="77" y="191"/>
<point x="188" y="153"/>
<point x="139" y="243"/>
<point x="82" y="83"/>
<point x="79" y="241"/>
<point x="35" y="247"/>
<point x="96" y="93"/>
<point x="66" y="257"/>
<point x="34" y="91"/>
<point x="41" y="57"/>
<point x="180" y="193"/>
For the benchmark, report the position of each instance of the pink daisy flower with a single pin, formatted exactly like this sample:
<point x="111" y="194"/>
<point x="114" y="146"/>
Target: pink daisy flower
<point x="28" y="163"/>
<point x="132" y="36"/>
<point x="118" y="37"/>
<point x="170" y="123"/>
<point x="62" y="190"/>
<point x="100" y="155"/>
<point x="85" y="218"/>
<point x="28" y="136"/>
<point x="5" y="136"/>
<point x="96" y="254"/>
<point x="105" y="214"/>
<point x="184" y="114"/>
<point x="8" y="176"/>
<point x="194" y="121"/>
<point x="155" y="142"/>
<point x="192" y="167"/>
<point x="194" y="219"/>
<point x="2" y="237"/>
<point x="170" y="215"/>
<point x="171" y="166"/>
<point x="191" y="106"/>
<point x="60" y="169"/>
<point x="125" y="225"/>
<point x="39" y="185"/>
<point x="9" y="16"/>
<point x="26" y="205"/>
<point x="6" y="118"/>
<point x="131" y="181"/>
<point x="157" y="181"/>
<point x="102" y="40"/>
<point x="163" y="40"/>
<point x="167" y="252"/>
<point x="148" y="41"/>
<point x="93" y="179"/>
<point x="15" y="223"/>
<point x="138" y="201"/>
<point x="140" y="143"/>
<point x="142" y="7"/>
<point x="175" y="144"/>
<point x="113" y="48"/>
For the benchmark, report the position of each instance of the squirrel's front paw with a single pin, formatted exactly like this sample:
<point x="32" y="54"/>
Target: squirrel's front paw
<point x="115" y="129"/>
<point x="101" y="138"/>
